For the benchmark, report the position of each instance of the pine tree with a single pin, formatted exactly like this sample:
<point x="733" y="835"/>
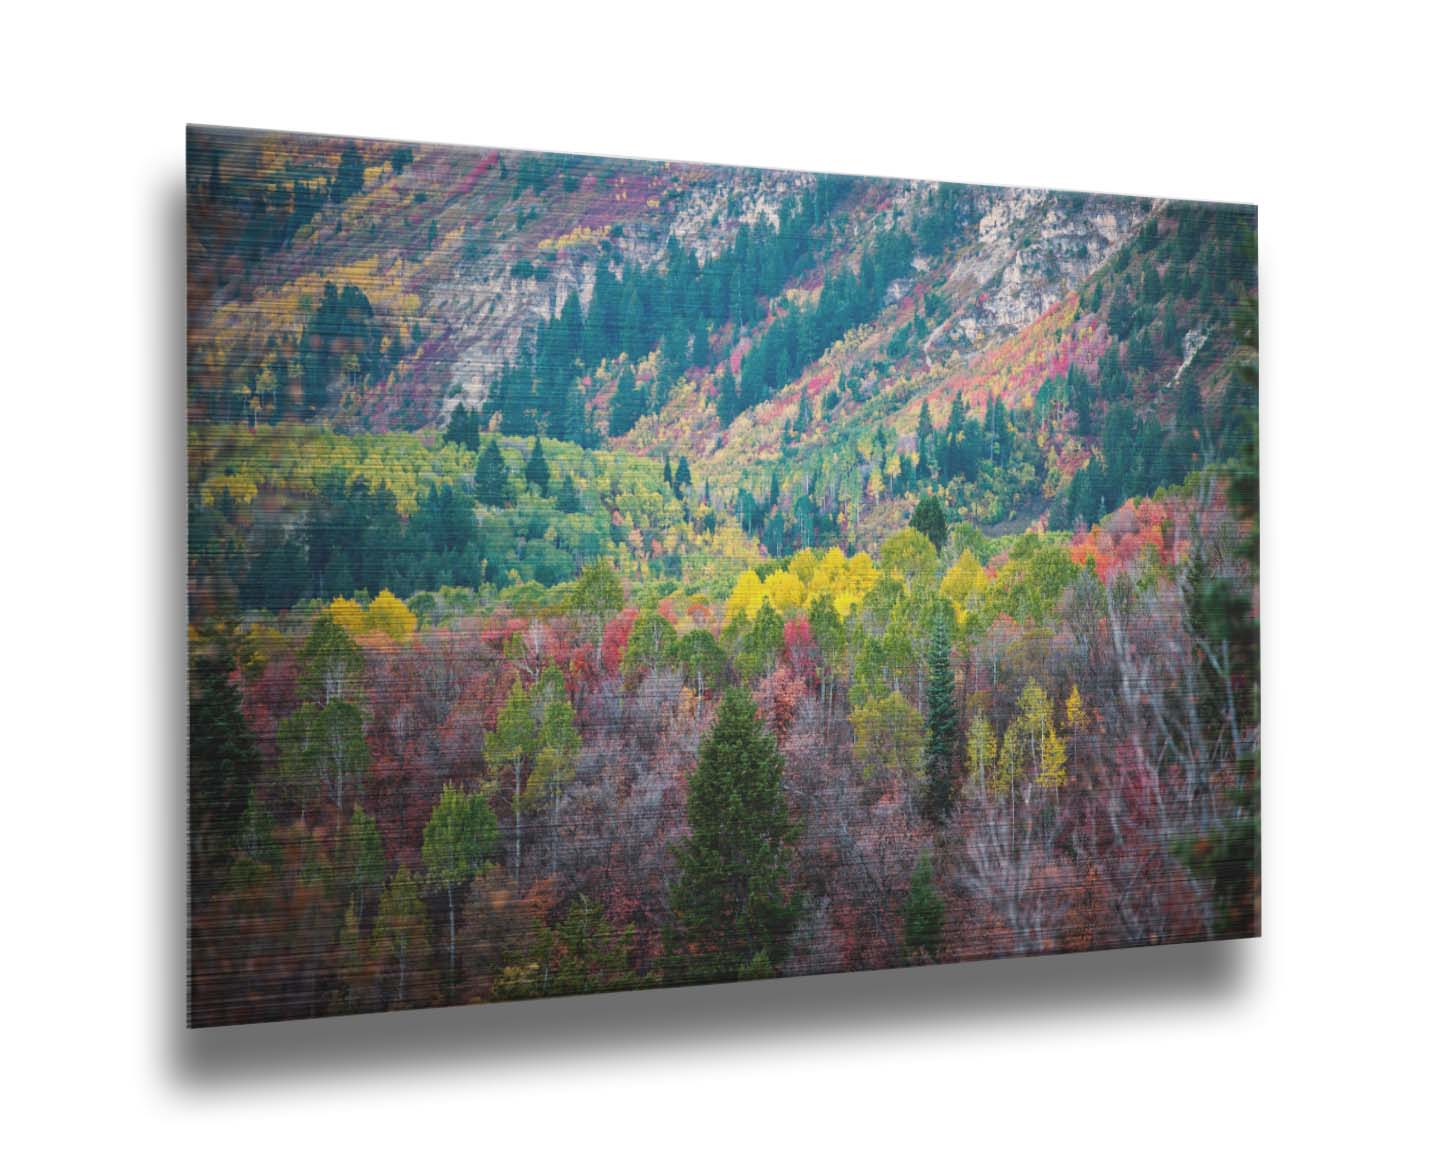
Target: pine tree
<point x="929" y="519"/>
<point x="537" y="471"/>
<point x="734" y="916"/>
<point x="568" y="501"/>
<point x="682" y="475"/>
<point x="924" y="910"/>
<point x="942" y="723"/>
<point x="224" y="764"/>
<point x="492" y="477"/>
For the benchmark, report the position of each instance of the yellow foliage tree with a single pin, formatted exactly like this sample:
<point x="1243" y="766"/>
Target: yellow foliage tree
<point x="784" y="591"/>
<point x="980" y="751"/>
<point x="747" y="596"/>
<point x="348" y="614"/>
<point x="388" y="614"/>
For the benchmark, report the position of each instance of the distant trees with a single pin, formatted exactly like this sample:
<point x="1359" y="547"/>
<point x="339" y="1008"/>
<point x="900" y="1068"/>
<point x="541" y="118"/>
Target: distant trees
<point x="671" y="309"/>
<point x="464" y="427"/>
<point x="349" y="176"/>
<point x="731" y="903"/>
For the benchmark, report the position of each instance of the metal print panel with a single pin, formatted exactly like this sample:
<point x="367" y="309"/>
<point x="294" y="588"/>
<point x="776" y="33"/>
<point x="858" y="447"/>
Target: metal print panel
<point x="606" y="574"/>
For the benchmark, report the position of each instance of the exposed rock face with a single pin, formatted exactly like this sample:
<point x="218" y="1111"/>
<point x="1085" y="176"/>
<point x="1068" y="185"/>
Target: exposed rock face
<point x="488" y="311"/>
<point x="1031" y="248"/>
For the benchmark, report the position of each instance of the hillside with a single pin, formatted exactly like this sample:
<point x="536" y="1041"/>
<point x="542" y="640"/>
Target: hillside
<point x="605" y="574"/>
<point x="373" y="287"/>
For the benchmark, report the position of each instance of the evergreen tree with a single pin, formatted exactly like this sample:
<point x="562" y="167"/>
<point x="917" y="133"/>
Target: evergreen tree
<point x="568" y="500"/>
<point x="682" y="475"/>
<point x="733" y="914"/>
<point x="924" y="444"/>
<point x="224" y="765"/>
<point x="537" y="471"/>
<point x="929" y="519"/>
<point x="942" y="723"/>
<point x="924" y="910"/>
<point x="492" y="477"/>
<point x="464" y="427"/>
<point x="627" y="405"/>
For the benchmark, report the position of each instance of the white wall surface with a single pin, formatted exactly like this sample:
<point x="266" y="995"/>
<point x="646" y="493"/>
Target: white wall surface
<point x="1320" y="1034"/>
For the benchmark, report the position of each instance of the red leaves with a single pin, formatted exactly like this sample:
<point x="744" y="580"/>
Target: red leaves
<point x="616" y="640"/>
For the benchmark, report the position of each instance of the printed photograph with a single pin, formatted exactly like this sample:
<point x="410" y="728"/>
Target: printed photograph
<point x="608" y="574"/>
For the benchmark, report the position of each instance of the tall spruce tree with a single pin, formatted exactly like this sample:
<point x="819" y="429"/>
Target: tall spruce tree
<point x="492" y="478"/>
<point x="224" y="766"/>
<point x="929" y="519"/>
<point x="537" y="471"/>
<point x="733" y="914"/>
<point x="924" y="910"/>
<point x="942" y="723"/>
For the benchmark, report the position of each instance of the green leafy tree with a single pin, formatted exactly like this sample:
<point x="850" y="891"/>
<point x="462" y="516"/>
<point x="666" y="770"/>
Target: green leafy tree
<point x="513" y="745"/>
<point x="363" y="858"/>
<point x="598" y="594"/>
<point x="910" y="555"/>
<point x="700" y="659"/>
<point x="460" y="835"/>
<point x="889" y="736"/>
<point x="732" y="909"/>
<point x="399" y="933"/>
<point x="583" y="953"/>
<point x="557" y="750"/>
<point x="652" y="640"/>
<point x="322" y="746"/>
<point x="330" y="662"/>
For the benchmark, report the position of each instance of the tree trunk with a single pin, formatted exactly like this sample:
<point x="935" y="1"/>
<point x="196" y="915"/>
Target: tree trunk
<point x="517" y="826"/>
<point x="450" y="895"/>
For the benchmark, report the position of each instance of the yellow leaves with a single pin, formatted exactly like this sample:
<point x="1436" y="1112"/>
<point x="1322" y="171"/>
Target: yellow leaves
<point x="386" y="615"/>
<point x="348" y="614"/>
<point x="803" y="565"/>
<point x="980" y="751"/>
<point x="861" y="574"/>
<point x="1032" y="746"/>
<point x="240" y="489"/>
<point x="803" y="582"/>
<point x="784" y="591"/>
<point x="747" y="597"/>
<point x="580" y="234"/>
<point x="964" y="585"/>
<point x="1077" y="719"/>
<point x="1052" y="762"/>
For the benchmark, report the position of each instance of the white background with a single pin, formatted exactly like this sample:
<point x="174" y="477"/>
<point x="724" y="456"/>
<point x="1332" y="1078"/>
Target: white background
<point x="1322" y="1031"/>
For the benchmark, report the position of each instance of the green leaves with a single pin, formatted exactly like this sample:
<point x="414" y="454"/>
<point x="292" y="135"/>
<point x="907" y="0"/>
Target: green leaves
<point x="460" y="835"/>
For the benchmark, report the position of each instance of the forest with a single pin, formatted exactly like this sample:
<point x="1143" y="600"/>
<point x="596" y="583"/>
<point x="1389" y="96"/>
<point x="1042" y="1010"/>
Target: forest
<point x="613" y="574"/>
